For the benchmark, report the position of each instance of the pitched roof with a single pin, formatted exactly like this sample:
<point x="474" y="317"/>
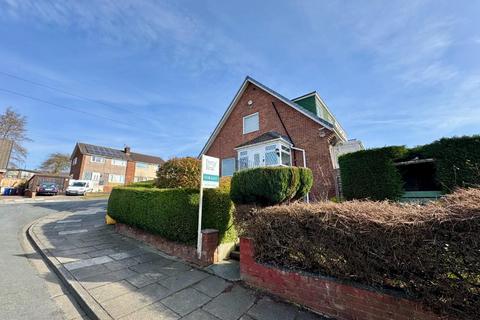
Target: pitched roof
<point x="117" y="154"/>
<point x="267" y="136"/>
<point x="285" y="100"/>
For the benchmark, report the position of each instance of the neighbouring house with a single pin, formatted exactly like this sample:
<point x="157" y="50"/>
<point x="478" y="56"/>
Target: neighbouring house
<point x="263" y="128"/>
<point x="108" y="167"/>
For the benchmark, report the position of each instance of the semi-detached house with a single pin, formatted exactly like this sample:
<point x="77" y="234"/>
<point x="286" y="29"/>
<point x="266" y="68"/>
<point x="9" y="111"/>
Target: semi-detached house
<point x="108" y="167"/>
<point x="263" y="128"/>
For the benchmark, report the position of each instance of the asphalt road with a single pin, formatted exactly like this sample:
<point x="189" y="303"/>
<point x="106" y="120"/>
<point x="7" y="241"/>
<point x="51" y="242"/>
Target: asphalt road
<point x="24" y="294"/>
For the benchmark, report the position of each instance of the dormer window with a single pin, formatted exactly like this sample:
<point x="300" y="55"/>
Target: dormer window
<point x="251" y="123"/>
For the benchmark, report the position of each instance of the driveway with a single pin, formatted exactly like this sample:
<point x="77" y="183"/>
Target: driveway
<point x="27" y="289"/>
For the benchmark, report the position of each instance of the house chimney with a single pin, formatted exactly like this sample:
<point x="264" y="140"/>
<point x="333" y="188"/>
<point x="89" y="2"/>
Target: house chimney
<point x="126" y="150"/>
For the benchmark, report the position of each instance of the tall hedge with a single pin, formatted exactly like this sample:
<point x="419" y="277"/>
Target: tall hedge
<point x="173" y="213"/>
<point x="372" y="174"/>
<point x="270" y="185"/>
<point x="457" y="161"/>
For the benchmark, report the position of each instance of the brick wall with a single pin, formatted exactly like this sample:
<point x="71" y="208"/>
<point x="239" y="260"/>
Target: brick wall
<point x="305" y="133"/>
<point x="76" y="170"/>
<point x="188" y="253"/>
<point x="325" y="295"/>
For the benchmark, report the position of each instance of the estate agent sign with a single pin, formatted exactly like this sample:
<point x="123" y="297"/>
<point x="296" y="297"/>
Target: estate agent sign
<point x="209" y="178"/>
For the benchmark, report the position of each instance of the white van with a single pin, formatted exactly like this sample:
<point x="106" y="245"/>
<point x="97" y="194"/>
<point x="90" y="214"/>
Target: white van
<point x="79" y="187"/>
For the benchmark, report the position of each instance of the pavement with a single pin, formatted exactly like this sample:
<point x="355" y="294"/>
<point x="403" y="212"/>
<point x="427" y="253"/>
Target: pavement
<point x="115" y="277"/>
<point x="28" y="289"/>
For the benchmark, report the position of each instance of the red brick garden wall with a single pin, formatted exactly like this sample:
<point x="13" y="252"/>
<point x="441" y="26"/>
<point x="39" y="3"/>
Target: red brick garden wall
<point x="188" y="253"/>
<point x="327" y="296"/>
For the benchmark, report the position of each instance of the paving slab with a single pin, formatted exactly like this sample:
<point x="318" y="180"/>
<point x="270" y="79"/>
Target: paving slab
<point x="116" y="277"/>
<point x="267" y="309"/>
<point x="231" y="305"/>
<point x="185" y="301"/>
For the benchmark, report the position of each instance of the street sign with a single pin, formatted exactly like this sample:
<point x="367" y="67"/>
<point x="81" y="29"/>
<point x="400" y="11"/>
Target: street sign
<point x="210" y="172"/>
<point x="209" y="178"/>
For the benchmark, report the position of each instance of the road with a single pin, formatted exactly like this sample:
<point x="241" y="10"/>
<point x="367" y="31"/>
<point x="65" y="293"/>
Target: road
<point x="27" y="289"/>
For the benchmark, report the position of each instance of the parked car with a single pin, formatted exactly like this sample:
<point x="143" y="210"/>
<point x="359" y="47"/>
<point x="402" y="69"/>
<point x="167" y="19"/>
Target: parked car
<point x="78" y="187"/>
<point x="48" y="189"/>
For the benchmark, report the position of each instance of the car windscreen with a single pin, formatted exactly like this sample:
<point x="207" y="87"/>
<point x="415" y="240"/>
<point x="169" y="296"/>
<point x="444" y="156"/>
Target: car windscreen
<point x="48" y="185"/>
<point x="78" y="184"/>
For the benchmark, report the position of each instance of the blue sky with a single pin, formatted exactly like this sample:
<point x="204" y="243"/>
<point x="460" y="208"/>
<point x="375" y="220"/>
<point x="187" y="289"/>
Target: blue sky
<point x="158" y="75"/>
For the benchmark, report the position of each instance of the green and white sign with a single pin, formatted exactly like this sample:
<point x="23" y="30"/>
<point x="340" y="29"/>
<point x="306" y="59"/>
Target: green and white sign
<point x="210" y="172"/>
<point x="210" y="178"/>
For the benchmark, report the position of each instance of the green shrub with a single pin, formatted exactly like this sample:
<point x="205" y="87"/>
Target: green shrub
<point x="143" y="184"/>
<point x="457" y="161"/>
<point x="173" y="213"/>
<point x="372" y="174"/>
<point x="179" y="173"/>
<point x="270" y="185"/>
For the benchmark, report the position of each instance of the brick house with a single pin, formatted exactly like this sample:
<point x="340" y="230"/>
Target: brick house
<point x="263" y="128"/>
<point x="108" y="167"/>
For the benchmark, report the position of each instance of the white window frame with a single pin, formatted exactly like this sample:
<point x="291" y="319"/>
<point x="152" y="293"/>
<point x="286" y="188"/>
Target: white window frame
<point x="74" y="161"/>
<point x="141" y="165"/>
<point x="112" y="178"/>
<point x="97" y="159"/>
<point x="119" y="162"/>
<point x="248" y="117"/>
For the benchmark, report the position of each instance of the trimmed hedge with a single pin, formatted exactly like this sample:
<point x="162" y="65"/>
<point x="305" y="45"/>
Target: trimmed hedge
<point x="457" y="161"/>
<point x="372" y="174"/>
<point x="270" y="185"/>
<point x="173" y="213"/>
<point x="143" y="184"/>
<point x="427" y="253"/>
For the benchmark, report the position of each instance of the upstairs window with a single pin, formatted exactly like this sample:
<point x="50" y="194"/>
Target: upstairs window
<point x="97" y="159"/>
<point x="118" y="162"/>
<point x="74" y="161"/>
<point x="142" y="165"/>
<point x="251" y="123"/>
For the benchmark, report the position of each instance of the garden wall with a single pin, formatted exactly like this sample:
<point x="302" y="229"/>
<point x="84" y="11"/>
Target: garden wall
<point x="325" y="295"/>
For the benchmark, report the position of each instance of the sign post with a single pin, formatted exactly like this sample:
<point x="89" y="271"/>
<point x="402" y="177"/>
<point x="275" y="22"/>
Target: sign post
<point x="209" y="178"/>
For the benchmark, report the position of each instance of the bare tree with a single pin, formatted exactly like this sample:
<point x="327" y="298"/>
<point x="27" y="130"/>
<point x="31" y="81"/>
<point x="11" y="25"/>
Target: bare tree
<point x="56" y="163"/>
<point x="13" y="127"/>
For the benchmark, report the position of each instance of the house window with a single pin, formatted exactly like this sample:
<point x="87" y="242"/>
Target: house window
<point x="116" y="178"/>
<point x="140" y="179"/>
<point x="286" y="156"/>
<point x="87" y="175"/>
<point x="228" y="167"/>
<point x="271" y="156"/>
<point x="74" y="161"/>
<point x="250" y="123"/>
<point x="142" y="165"/>
<point x="97" y="159"/>
<point x="243" y="160"/>
<point x="118" y="162"/>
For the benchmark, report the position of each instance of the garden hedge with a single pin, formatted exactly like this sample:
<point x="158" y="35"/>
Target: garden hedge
<point x="173" y="213"/>
<point x="457" y="161"/>
<point x="427" y="253"/>
<point x="372" y="174"/>
<point x="270" y="185"/>
<point x="143" y="184"/>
